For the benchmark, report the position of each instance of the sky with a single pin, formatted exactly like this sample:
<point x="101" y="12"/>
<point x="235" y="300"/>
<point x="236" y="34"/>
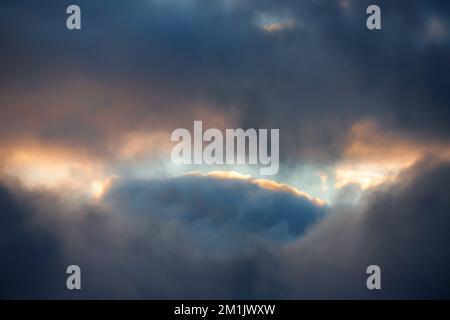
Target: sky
<point x="86" y="176"/>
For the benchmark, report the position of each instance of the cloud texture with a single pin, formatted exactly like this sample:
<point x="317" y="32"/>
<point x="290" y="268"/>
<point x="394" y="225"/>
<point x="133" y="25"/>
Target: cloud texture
<point x="364" y="114"/>
<point x="204" y="237"/>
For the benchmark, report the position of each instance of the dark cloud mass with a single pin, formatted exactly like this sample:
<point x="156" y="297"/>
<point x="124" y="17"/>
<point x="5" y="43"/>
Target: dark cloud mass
<point x="146" y="246"/>
<point x="153" y="239"/>
<point x="31" y="260"/>
<point x="404" y="229"/>
<point x="174" y="55"/>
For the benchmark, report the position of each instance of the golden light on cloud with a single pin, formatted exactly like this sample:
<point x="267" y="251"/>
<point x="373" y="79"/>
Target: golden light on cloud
<point x="262" y="183"/>
<point x="373" y="156"/>
<point x="50" y="167"/>
<point x="365" y="175"/>
<point x="99" y="187"/>
<point x="273" y="23"/>
<point x="278" y="26"/>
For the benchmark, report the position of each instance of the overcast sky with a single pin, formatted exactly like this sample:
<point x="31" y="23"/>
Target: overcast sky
<point x="86" y="176"/>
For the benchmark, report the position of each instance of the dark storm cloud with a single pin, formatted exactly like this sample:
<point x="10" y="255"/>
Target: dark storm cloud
<point x="190" y="237"/>
<point x="32" y="260"/>
<point x="312" y="81"/>
<point x="152" y="239"/>
<point x="403" y="229"/>
<point x="219" y="205"/>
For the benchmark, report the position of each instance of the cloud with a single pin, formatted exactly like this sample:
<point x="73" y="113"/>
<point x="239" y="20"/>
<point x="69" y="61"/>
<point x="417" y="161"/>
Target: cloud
<point x="228" y="205"/>
<point x="152" y="238"/>
<point x="79" y="107"/>
<point x="373" y="156"/>
<point x="32" y="259"/>
<point x="231" y="238"/>
<point x="273" y="23"/>
<point x="402" y="229"/>
<point x="156" y="59"/>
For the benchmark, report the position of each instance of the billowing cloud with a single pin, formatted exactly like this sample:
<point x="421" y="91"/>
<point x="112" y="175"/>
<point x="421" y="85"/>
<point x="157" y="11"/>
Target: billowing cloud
<point x="402" y="229"/>
<point x="373" y="156"/>
<point x="85" y="122"/>
<point x="229" y="237"/>
<point x="169" y="231"/>
<point x="313" y="82"/>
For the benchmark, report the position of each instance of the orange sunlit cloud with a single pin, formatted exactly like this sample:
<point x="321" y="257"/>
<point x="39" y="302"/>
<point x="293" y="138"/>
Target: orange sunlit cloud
<point x="374" y="157"/>
<point x="44" y="166"/>
<point x="262" y="183"/>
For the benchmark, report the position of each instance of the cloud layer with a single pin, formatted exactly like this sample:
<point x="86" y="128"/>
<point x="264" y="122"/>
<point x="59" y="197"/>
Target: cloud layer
<point x="206" y="237"/>
<point x="135" y="67"/>
<point x="366" y="113"/>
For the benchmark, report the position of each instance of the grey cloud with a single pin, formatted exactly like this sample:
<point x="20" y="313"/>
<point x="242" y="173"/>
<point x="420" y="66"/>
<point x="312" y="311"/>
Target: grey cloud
<point x="159" y="65"/>
<point x="32" y="263"/>
<point x="195" y="237"/>
<point x="403" y="229"/>
<point x="313" y="82"/>
<point x="177" y="238"/>
<point x="218" y="204"/>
